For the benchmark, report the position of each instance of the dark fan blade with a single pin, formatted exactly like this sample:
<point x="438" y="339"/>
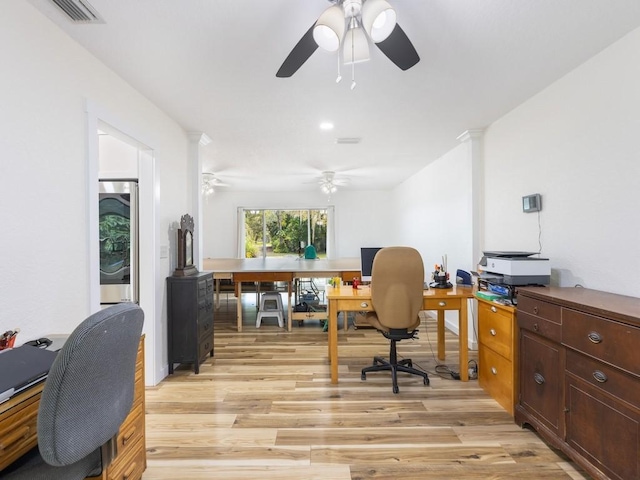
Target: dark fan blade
<point x="300" y="53"/>
<point x="399" y="49"/>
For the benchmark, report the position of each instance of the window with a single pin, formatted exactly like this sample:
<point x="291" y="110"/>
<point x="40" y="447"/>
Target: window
<point x="277" y="233"/>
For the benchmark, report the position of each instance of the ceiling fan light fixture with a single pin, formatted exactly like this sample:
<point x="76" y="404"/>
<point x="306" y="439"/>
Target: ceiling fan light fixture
<point x="328" y="188"/>
<point x="329" y="29"/>
<point x="356" y="46"/>
<point x="378" y="19"/>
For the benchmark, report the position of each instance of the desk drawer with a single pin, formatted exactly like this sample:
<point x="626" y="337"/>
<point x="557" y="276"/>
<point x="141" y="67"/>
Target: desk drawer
<point x="131" y="430"/>
<point x="442" y="303"/>
<point x="495" y="329"/>
<point x="129" y="466"/>
<point x="355" y="305"/>
<point x="18" y="431"/>
<point x="495" y="376"/>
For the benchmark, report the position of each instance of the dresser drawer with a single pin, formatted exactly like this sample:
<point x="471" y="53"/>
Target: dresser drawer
<point x="540" y="309"/>
<point x="204" y="347"/>
<point x="495" y="329"/>
<point x="609" y="379"/>
<point x="609" y="341"/>
<point x="540" y="326"/>
<point x="495" y="375"/>
<point x="205" y="325"/>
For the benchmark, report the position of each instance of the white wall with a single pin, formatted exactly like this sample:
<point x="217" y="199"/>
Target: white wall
<point x="434" y="215"/>
<point x="361" y="218"/>
<point x="434" y="211"/>
<point x="576" y="144"/>
<point x="46" y="82"/>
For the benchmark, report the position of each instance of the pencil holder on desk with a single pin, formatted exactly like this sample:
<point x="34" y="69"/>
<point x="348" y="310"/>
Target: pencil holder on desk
<point x="8" y="339"/>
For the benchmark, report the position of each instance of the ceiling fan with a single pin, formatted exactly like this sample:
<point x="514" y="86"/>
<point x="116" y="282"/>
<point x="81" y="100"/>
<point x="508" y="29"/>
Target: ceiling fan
<point x="210" y="182"/>
<point x="348" y="23"/>
<point x="329" y="184"/>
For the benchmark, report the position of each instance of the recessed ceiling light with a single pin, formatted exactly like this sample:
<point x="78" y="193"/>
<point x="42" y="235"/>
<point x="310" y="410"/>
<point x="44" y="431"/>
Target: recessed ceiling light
<point x="326" y="126"/>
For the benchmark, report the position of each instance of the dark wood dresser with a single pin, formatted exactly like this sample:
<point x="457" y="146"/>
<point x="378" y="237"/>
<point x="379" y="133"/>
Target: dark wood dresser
<point x="580" y="376"/>
<point x="190" y="317"/>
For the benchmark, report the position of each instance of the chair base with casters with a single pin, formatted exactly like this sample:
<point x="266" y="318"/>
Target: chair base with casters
<point x="393" y="365"/>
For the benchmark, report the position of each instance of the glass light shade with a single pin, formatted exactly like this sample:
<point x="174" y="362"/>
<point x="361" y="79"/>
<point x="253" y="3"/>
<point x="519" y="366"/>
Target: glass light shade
<point x="378" y="19"/>
<point x="328" y="188"/>
<point x="356" y="46"/>
<point x="329" y="29"/>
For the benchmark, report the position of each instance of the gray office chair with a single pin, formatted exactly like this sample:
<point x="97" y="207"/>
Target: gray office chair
<point x="87" y="395"/>
<point x="397" y="282"/>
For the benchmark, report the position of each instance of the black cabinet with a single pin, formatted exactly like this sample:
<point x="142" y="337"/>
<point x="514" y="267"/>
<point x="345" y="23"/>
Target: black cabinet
<point x="190" y="317"/>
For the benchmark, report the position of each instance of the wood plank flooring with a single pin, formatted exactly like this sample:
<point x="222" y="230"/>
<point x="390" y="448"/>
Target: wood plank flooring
<point x="264" y="408"/>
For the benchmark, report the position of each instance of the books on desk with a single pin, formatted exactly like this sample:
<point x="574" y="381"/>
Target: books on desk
<point x="22" y="367"/>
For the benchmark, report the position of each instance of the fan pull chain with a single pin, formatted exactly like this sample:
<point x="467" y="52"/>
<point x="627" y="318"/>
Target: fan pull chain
<point x="339" y="76"/>
<point x="353" y="63"/>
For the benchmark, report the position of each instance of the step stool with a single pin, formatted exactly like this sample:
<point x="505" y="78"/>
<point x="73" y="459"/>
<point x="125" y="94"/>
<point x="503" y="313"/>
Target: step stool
<point x="270" y="306"/>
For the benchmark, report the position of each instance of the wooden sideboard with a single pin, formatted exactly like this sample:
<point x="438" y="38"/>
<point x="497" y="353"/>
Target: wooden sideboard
<point x="580" y="376"/>
<point x="498" y="352"/>
<point x="18" y="435"/>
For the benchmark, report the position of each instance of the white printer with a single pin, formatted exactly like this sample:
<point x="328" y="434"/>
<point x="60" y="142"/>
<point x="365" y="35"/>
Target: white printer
<point x="515" y="268"/>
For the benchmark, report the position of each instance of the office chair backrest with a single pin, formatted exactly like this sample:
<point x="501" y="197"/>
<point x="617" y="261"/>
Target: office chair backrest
<point x="89" y="390"/>
<point x="397" y="283"/>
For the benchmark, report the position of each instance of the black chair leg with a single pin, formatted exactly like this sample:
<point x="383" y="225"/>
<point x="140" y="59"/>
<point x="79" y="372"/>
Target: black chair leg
<point x="405" y="365"/>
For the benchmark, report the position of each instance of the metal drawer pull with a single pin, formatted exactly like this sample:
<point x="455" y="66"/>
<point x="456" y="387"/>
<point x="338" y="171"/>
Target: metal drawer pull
<point x="494" y="370"/>
<point x="493" y="332"/>
<point x="595" y="337"/>
<point x="536" y="327"/>
<point x="535" y="310"/>
<point x="494" y="309"/>
<point x="600" y="376"/>
<point x="539" y="379"/>
<point x="442" y="304"/>
<point x="364" y="305"/>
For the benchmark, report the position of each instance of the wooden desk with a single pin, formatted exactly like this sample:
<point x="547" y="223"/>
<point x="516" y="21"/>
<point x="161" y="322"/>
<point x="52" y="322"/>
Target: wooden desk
<point x="18" y="435"/>
<point x="277" y="269"/>
<point x="346" y="299"/>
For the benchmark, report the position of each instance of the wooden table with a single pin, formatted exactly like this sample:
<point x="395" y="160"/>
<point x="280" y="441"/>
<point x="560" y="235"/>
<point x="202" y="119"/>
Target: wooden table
<point x="277" y="269"/>
<point x="346" y="299"/>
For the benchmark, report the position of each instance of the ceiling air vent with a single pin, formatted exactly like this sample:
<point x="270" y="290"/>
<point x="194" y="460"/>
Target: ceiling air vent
<point x="79" y="11"/>
<point x="348" y="140"/>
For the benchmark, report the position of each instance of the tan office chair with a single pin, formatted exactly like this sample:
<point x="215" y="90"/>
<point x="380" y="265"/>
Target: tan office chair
<point x="397" y="282"/>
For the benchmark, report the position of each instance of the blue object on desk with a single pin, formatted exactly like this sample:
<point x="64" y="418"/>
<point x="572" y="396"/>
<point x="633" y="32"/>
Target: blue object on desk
<point x="310" y="252"/>
<point x="463" y="277"/>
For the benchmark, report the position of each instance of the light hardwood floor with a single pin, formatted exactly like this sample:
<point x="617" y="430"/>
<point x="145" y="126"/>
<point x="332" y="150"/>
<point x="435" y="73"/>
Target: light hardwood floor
<point x="263" y="408"/>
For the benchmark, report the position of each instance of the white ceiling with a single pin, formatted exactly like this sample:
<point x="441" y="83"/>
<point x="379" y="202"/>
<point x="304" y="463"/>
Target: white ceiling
<point x="211" y="64"/>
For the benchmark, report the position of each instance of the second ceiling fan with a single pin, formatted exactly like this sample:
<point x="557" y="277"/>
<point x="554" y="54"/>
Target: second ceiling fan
<point x="347" y="23"/>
